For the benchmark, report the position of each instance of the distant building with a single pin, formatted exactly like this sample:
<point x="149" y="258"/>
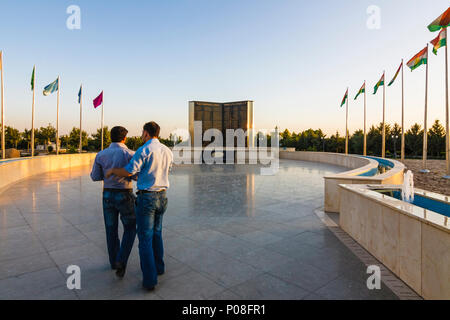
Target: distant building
<point x="222" y="116"/>
<point x="42" y="147"/>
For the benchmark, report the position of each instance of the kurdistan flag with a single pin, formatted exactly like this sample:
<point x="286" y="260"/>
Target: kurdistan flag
<point x="418" y="59"/>
<point x="345" y="98"/>
<point x="440" y="41"/>
<point x="379" y="84"/>
<point x="362" y="90"/>
<point x="396" y="75"/>
<point x="441" y="22"/>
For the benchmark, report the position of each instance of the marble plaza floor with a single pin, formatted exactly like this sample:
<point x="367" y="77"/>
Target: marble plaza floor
<point x="229" y="233"/>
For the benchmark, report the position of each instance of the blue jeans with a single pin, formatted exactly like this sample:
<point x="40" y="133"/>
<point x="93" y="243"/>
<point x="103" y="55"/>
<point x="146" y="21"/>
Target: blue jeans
<point x="114" y="204"/>
<point x="149" y="215"/>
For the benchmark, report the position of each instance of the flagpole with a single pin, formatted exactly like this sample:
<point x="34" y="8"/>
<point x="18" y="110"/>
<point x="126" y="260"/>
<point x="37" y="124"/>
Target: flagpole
<point x="346" y="126"/>
<point x="81" y="117"/>
<point x="365" y="135"/>
<point x="425" y="128"/>
<point x="383" y="143"/>
<point x="403" y="116"/>
<point x="447" y="125"/>
<point x="57" y="118"/>
<point x="32" y="112"/>
<point x="102" y="118"/>
<point x="3" y="108"/>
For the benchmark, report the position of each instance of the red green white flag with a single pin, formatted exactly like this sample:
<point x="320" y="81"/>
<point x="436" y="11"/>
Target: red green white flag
<point x="362" y="90"/>
<point x="418" y="59"/>
<point x="379" y="84"/>
<point x="396" y="75"/>
<point x="345" y="98"/>
<point x="440" y="41"/>
<point x="441" y="22"/>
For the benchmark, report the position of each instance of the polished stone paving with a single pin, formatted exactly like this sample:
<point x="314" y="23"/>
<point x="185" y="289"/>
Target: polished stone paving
<point x="229" y="233"/>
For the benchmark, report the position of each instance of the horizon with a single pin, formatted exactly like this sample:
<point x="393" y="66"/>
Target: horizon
<point x="168" y="54"/>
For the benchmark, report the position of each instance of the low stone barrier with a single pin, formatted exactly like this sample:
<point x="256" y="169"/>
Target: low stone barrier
<point x="411" y="241"/>
<point x="15" y="170"/>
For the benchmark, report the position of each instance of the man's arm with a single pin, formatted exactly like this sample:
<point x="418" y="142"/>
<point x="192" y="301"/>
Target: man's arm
<point x="97" y="171"/>
<point x="134" y="176"/>
<point x="132" y="168"/>
<point x="120" y="172"/>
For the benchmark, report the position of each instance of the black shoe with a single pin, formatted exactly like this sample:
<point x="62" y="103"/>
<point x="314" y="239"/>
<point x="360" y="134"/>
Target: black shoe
<point x="120" y="270"/>
<point x="148" y="289"/>
<point x="160" y="273"/>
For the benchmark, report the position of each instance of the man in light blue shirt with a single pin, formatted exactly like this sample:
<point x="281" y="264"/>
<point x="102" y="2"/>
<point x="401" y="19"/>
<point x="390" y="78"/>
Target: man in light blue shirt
<point x="118" y="199"/>
<point x="151" y="163"/>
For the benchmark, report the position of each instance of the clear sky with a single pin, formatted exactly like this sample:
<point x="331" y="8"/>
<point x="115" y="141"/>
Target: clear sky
<point x="294" y="58"/>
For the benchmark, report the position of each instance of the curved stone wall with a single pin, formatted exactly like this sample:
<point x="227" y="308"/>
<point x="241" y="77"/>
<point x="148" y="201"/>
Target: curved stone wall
<point x="13" y="170"/>
<point x="358" y="165"/>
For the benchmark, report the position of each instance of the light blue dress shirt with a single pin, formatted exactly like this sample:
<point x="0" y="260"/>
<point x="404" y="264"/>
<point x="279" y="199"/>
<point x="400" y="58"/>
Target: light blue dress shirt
<point x="151" y="163"/>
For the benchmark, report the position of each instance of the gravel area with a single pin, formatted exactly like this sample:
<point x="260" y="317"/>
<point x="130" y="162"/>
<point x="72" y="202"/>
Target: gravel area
<point x="432" y="181"/>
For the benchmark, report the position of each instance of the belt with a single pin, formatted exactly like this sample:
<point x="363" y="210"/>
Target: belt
<point x="147" y="191"/>
<point x="118" y="190"/>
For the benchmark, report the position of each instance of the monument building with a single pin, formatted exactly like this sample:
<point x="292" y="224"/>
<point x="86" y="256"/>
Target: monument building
<point x="222" y="116"/>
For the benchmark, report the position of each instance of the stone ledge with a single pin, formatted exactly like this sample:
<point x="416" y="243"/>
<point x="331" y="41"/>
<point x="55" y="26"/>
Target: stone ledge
<point x="15" y="170"/>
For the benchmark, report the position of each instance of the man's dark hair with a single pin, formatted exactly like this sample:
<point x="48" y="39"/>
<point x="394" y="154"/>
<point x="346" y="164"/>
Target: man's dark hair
<point x="152" y="128"/>
<point x="118" y="134"/>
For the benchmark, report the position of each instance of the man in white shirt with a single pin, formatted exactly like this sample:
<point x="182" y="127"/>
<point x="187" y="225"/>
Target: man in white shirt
<point x="151" y="163"/>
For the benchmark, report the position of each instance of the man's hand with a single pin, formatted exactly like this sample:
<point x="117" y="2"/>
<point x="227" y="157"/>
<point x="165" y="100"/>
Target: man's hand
<point x="109" y="173"/>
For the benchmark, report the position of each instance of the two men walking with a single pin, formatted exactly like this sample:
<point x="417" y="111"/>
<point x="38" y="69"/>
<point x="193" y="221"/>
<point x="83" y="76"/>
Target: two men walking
<point x="150" y="165"/>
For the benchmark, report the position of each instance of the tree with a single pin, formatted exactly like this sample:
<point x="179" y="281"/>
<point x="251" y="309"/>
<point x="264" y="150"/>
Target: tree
<point x="310" y="140"/>
<point x="414" y="140"/>
<point x="12" y="137"/>
<point x="170" y="141"/>
<point x="46" y="135"/>
<point x="96" y="143"/>
<point x="356" y="142"/>
<point x="396" y="131"/>
<point x="374" y="141"/>
<point x="336" y="144"/>
<point x="285" y="138"/>
<point x="74" y="139"/>
<point x="64" y="141"/>
<point x="134" y="143"/>
<point x="436" y="140"/>
<point x="26" y="139"/>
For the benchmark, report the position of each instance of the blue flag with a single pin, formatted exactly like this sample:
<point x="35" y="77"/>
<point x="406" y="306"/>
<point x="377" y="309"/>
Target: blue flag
<point x="79" y="94"/>
<point x="52" y="87"/>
